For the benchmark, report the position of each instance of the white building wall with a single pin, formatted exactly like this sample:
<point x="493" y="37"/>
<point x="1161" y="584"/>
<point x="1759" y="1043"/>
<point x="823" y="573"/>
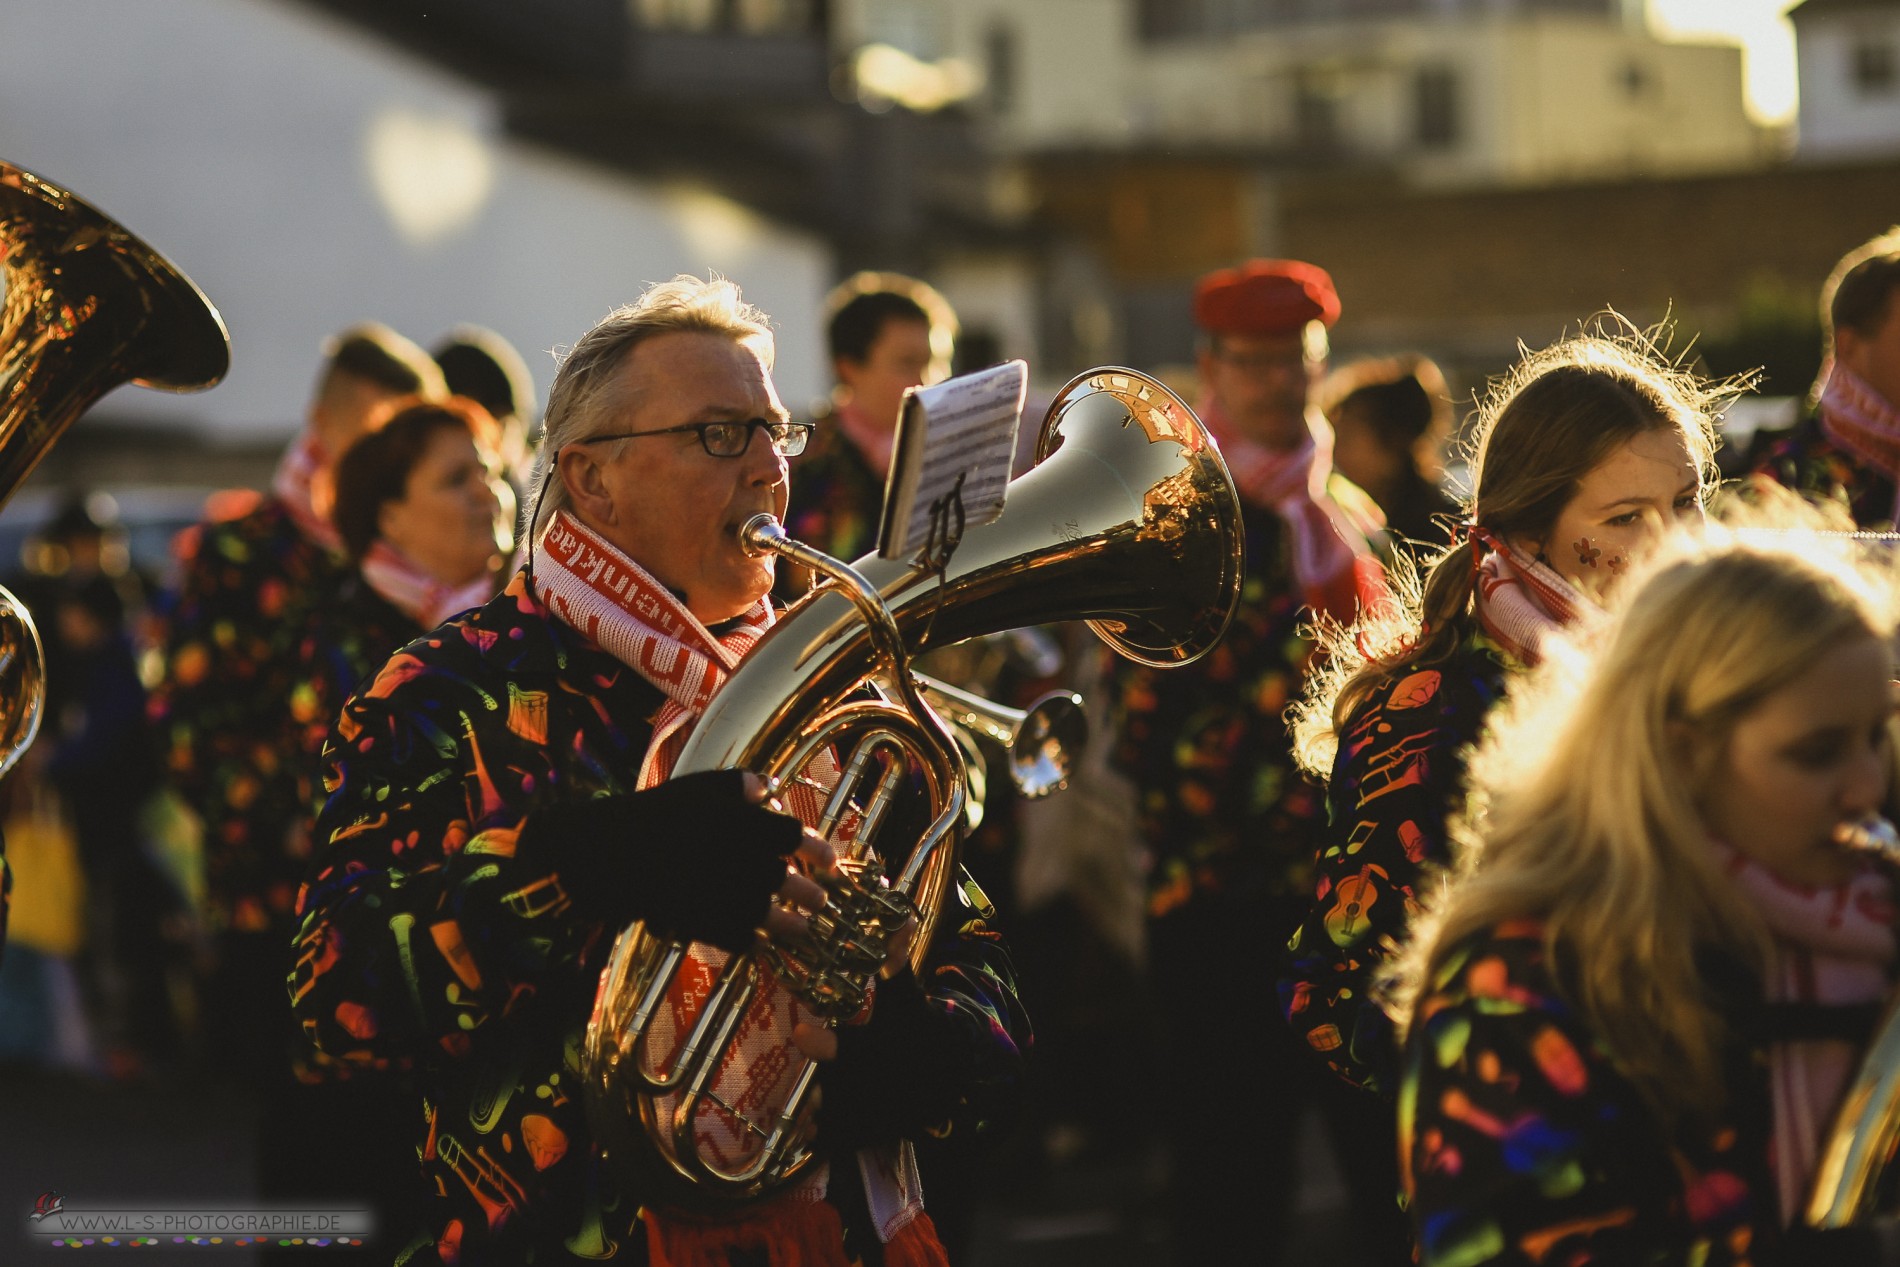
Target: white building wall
<point x="306" y="177"/>
<point x="1838" y="117"/>
<point x="1542" y="96"/>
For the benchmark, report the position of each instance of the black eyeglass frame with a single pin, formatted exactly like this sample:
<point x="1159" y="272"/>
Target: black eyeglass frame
<point x="795" y="432"/>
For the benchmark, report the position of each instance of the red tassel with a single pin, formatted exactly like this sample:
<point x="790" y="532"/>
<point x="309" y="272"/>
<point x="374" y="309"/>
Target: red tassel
<point x="793" y="1232"/>
<point x="916" y="1245"/>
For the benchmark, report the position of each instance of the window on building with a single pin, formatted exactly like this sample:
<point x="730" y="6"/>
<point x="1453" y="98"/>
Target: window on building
<point x="1876" y="69"/>
<point x="1435" y="96"/>
<point x="999" y="67"/>
<point x="747" y="17"/>
<point x="1315" y="115"/>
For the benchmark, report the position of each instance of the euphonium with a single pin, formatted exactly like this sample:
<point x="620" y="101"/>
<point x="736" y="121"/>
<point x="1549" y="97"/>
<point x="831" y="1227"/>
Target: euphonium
<point x="84" y="307"/>
<point x="1128" y="521"/>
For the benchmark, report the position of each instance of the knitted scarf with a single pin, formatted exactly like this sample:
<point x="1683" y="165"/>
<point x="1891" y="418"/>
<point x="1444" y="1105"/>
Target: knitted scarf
<point x="415" y="593"/>
<point x="294" y="486"/>
<point x="1332" y="561"/>
<point x="1520" y="600"/>
<point x="1831" y="946"/>
<point x="594" y="587"/>
<point x="1862" y="421"/>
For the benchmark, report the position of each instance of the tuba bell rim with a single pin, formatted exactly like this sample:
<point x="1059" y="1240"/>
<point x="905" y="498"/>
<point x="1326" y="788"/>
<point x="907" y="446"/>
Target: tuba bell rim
<point x="195" y="353"/>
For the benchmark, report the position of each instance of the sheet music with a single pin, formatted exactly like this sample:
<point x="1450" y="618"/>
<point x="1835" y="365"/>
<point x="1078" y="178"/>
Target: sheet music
<point x="955" y="438"/>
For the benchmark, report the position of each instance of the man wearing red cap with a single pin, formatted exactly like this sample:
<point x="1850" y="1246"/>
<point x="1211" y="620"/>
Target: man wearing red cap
<point x="1231" y="823"/>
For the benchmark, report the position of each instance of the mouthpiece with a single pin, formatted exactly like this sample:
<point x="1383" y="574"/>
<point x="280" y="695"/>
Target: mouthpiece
<point x="756" y="534"/>
<point x="1872" y="834"/>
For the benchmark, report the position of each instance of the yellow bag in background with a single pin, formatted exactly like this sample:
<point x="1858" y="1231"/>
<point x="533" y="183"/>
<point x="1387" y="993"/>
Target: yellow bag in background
<point x="49" y="889"/>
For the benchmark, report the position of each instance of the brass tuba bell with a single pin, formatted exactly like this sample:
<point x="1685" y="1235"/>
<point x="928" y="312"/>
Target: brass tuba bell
<point x="84" y="307"/>
<point x="1129" y="521"/>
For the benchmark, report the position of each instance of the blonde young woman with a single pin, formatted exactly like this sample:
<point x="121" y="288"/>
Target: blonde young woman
<point x="1585" y="454"/>
<point x="1638" y="1002"/>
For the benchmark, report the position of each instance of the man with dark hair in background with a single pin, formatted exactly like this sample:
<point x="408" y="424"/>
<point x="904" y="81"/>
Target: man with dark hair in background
<point x="220" y="710"/>
<point x="1847" y="448"/>
<point x="887" y="333"/>
<point x="481" y="365"/>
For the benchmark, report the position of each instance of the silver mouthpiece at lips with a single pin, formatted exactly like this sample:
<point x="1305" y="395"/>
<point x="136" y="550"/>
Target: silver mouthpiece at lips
<point x="1872" y="834"/>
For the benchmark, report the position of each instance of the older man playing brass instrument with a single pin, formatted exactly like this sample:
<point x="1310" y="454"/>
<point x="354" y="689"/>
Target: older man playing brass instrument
<point x="500" y="806"/>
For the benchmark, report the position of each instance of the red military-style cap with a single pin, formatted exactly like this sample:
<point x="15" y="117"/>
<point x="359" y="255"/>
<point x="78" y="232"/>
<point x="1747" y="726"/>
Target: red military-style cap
<point x="1265" y="297"/>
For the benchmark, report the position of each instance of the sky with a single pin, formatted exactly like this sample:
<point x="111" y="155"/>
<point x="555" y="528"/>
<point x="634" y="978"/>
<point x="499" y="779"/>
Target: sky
<point x="1766" y="37"/>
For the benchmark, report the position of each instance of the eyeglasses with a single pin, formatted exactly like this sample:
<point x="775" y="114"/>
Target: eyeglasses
<point x="730" y="439"/>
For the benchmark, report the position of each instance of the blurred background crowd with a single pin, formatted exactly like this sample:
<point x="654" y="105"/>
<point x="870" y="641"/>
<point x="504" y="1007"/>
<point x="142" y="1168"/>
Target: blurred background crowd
<point x="489" y="178"/>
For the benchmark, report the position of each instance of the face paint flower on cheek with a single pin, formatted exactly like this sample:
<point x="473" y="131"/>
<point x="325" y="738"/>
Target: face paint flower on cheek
<point x="1587" y="552"/>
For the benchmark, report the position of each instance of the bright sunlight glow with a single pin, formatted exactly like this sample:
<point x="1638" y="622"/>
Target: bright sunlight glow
<point x="1762" y="29"/>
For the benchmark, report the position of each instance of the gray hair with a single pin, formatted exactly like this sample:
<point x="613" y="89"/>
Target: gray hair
<point x="587" y="387"/>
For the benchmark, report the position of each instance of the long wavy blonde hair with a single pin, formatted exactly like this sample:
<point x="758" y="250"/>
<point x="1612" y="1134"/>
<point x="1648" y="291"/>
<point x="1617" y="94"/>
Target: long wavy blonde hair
<point x="1585" y="798"/>
<point x="1557" y="415"/>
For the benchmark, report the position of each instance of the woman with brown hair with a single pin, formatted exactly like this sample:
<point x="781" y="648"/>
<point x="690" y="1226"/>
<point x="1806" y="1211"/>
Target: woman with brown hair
<point x="1584" y="455"/>
<point x="425" y="517"/>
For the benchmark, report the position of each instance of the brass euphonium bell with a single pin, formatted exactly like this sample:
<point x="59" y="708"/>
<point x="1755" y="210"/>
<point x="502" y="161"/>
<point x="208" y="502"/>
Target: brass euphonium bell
<point x="84" y="307"/>
<point x="1129" y="521"/>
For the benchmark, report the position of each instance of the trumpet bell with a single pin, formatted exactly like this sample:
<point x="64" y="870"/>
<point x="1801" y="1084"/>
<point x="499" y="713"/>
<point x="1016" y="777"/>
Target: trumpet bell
<point x="87" y="307"/>
<point x="22" y="680"/>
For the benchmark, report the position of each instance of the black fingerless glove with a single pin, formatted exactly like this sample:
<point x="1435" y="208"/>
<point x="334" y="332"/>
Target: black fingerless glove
<point x="692" y="857"/>
<point x="899" y="1072"/>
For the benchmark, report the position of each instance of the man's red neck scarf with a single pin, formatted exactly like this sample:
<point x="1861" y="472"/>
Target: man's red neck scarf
<point x="1865" y="423"/>
<point x="593" y="586"/>
<point x="294" y="486"/>
<point x="415" y="593"/>
<point x="1335" y="567"/>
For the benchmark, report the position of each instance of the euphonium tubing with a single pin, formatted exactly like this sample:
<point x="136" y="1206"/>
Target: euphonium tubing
<point x="1129" y="521"/>
<point x="84" y="307"/>
<point x="1854" y="1177"/>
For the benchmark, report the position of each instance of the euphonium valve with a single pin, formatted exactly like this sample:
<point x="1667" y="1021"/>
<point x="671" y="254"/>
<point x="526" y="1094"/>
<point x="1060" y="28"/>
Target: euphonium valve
<point x="1128" y="521"/>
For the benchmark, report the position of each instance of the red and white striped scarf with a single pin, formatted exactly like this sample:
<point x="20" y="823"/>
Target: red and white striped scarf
<point x="593" y="586"/>
<point x="294" y="486"/>
<point x="1833" y="946"/>
<point x="1332" y="560"/>
<point x="414" y="592"/>
<point x="1862" y="421"/>
<point x="1520" y="600"/>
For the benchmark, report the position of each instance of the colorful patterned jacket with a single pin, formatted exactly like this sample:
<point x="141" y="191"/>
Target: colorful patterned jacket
<point x="1223" y="806"/>
<point x="426" y="933"/>
<point x="1397" y="778"/>
<point x="341" y="645"/>
<point x="1521" y="1142"/>
<point x="835" y="500"/>
<point x="224" y="733"/>
<point x="1804" y="459"/>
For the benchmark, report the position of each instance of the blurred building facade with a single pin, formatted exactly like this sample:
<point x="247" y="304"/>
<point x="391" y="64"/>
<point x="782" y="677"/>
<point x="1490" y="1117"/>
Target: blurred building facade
<point x="1849" y="57"/>
<point x="1473" y="171"/>
<point x="1447" y="91"/>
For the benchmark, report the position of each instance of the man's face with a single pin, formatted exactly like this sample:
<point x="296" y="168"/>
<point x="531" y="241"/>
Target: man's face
<point x="900" y="357"/>
<point x="1261" y="383"/>
<point x="1875" y="356"/>
<point x="672" y="507"/>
